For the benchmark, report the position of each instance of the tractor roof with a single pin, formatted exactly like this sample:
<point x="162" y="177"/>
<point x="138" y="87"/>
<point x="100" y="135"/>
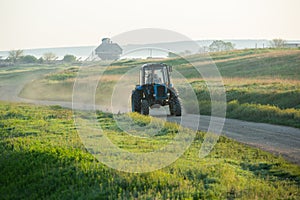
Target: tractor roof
<point x="158" y="65"/>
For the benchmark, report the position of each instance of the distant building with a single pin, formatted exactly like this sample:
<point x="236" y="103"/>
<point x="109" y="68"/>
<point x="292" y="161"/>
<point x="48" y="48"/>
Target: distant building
<point x="291" y="45"/>
<point x="108" y="50"/>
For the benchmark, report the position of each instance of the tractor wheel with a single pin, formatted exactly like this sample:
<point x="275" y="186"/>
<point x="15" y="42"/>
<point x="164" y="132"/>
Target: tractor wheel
<point x="171" y="108"/>
<point x="145" y="107"/>
<point x="136" y="102"/>
<point x="175" y="107"/>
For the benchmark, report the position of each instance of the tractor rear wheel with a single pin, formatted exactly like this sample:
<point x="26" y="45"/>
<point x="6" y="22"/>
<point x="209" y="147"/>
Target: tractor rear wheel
<point x="175" y="107"/>
<point x="145" y="107"/>
<point x="171" y="108"/>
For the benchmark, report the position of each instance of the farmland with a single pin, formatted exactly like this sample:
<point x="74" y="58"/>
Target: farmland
<point x="261" y="85"/>
<point x="43" y="156"/>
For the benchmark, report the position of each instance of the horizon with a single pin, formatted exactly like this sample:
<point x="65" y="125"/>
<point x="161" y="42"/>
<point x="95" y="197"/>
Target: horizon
<point x="95" y="45"/>
<point x="179" y="46"/>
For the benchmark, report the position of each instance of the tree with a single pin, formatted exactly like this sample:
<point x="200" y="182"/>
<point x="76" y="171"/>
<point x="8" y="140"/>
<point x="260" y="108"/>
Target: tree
<point x="49" y="56"/>
<point x="277" y="43"/>
<point x="228" y="46"/>
<point x="28" y="59"/>
<point x="41" y="60"/>
<point x="69" y="58"/>
<point x="203" y="49"/>
<point x="220" y="45"/>
<point x="15" y="55"/>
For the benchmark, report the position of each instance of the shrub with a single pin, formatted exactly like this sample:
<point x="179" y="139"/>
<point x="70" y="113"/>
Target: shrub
<point x="28" y="59"/>
<point x="69" y="58"/>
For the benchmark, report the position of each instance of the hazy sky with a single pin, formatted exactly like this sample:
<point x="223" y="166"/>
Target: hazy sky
<point x="56" y="23"/>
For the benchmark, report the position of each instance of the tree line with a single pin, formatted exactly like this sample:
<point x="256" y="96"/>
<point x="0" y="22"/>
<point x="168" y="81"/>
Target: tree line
<point x="220" y="45"/>
<point x="17" y="56"/>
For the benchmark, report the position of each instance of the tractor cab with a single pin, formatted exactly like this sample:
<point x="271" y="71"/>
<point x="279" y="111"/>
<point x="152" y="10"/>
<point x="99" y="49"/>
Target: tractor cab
<point x="155" y="74"/>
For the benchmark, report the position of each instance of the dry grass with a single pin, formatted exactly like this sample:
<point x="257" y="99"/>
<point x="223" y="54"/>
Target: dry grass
<point x="241" y="80"/>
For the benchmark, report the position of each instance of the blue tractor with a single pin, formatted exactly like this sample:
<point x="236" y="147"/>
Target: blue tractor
<point x="155" y="90"/>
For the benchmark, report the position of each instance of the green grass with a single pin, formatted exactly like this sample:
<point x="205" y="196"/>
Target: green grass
<point x="64" y="75"/>
<point x="261" y="63"/>
<point x="13" y="74"/>
<point x="42" y="157"/>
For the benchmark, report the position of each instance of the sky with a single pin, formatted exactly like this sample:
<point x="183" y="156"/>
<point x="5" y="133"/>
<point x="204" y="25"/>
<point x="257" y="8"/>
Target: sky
<point x="27" y="24"/>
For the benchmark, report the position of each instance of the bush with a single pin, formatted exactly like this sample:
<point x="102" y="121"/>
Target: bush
<point x="41" y="60"/>
<point x="49" y="57"/>
<point x="69" y="58"/>
<point x="219" y="45"/>
<point x="28" y="59"/>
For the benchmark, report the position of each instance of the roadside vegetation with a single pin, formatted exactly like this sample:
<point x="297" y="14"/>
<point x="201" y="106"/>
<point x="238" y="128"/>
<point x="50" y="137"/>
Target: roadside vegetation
<point x="42" y="157"/>
<point x="273" y="101"/>
<point x="262" y="85"/>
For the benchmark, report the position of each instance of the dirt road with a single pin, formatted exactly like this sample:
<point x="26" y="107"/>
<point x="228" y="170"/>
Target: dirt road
<point x="280" y="140"/>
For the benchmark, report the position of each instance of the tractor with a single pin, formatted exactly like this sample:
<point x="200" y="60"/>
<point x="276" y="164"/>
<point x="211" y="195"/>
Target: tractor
<point x="155" y="90"/>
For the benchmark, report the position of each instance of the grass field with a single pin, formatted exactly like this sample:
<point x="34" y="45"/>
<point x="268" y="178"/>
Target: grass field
<point x="262" y="85"/>
<point x="251" y="63"/>
<point x="42" y="157"/>
<point x="273" y="101"/>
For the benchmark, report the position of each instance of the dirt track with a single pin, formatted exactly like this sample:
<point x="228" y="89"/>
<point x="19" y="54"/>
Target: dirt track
<point x="280" y="140"/>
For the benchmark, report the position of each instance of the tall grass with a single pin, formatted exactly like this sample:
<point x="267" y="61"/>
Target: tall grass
<point x="264" y="113"/>
<point x="270" y="101"/>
